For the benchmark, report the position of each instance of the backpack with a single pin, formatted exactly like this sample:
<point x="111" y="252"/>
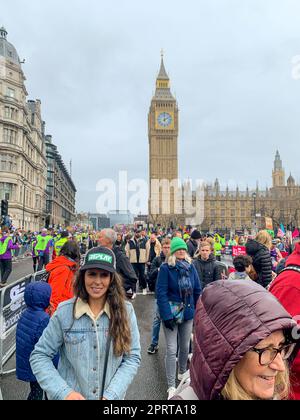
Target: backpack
<point x="291" y="268"/>
<point x="295" y="268"/>
<point x="151" y="280"/>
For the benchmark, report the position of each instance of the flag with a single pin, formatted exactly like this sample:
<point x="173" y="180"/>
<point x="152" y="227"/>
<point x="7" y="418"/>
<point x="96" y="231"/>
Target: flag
<point x="296" y="234"/>
<point x="282" y="228"/>
<point x="280" y="233"/>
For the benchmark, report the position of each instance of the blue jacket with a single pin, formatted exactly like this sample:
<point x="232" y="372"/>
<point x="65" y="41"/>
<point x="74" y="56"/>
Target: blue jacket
<point x="167" y="290"/>
<point x="31" y="326"/>
<point x="81" y="343"/>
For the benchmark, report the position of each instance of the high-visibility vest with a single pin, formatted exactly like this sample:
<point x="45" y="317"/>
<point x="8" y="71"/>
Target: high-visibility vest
<point x="218" y="249"/>
<point x="59" y="244"/>
<point x="78" y="238"/>
<point x="4" y="245"/>
<point x="42" y="242"/>
<point x="57" y="238"/>
<point x="33" y="245"/>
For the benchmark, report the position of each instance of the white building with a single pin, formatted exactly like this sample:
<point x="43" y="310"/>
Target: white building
<point x="23" y="165"/>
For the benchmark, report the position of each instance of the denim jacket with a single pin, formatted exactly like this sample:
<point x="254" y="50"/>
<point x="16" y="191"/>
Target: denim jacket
<point x="81" y="344"/>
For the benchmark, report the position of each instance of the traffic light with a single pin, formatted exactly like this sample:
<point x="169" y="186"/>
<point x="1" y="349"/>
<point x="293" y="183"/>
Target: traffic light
<point x="4" y="208"/>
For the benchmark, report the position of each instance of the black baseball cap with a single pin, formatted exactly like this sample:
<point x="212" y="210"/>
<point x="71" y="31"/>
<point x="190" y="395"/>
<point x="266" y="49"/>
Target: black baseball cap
<point x="100" y="257"/>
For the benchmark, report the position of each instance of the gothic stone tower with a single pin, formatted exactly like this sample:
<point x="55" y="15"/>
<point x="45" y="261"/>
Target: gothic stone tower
<point x="278" y="172"/>
<point x="163" y="150"/>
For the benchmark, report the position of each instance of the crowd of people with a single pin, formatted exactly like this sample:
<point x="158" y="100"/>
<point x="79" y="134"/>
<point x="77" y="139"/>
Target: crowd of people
<point x="230" y="330"/>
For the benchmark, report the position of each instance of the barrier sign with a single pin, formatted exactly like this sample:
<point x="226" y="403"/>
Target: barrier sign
<point x="238" y="250"/>
<point x="13" y="303"/>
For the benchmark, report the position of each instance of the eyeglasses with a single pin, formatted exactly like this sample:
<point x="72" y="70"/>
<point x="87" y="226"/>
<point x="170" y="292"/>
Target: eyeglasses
<point x="269" y="354"/>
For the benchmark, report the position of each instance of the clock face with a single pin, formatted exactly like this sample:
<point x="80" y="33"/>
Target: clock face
<point x="164" y="119"/>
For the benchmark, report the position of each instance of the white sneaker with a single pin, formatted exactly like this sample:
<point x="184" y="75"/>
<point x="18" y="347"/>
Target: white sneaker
<point x="180" y="376"/>
<point x="171" y="392"/>
<point x="133" y="296"/>
<point x="144" y="292"/>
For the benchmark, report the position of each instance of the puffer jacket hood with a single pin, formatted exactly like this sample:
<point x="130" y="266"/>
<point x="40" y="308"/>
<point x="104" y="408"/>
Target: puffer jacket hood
<point x="252" y="247"/>
<point x="294" y="258"/>
<point x="60" y="262"/>
<point x="37" y="295"/>
<point x="232" y="317"/>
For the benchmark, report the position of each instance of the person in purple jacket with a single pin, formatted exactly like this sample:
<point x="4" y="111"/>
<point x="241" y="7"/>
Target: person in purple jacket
<point x="6" y="246"/>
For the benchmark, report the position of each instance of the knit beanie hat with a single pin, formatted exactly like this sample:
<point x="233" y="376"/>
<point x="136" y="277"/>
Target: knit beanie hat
<point x="196" y="234"/>
<point x="177" y="244"/>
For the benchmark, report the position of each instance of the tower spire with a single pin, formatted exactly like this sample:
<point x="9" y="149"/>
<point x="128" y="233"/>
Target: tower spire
<point x="278" y="172"/>
<point x="162" y="72"/>
<point x="163" y="82"/>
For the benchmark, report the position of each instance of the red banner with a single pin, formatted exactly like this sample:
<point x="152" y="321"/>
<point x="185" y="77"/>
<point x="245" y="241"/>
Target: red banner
<point x="238" y="250"/>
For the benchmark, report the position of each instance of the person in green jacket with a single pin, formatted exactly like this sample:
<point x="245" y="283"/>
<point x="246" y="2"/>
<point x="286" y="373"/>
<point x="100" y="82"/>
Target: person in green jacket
<point x="218" y="249"/>
<point x="44" y="243"/>
<point x="64" y="237"/>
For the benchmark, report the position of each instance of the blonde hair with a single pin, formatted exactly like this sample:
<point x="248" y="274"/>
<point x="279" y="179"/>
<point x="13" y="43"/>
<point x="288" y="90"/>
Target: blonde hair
<point x="264" y="238"/>
<point x="206" y="243"/>
<point x="234" y="391"/>
<point x="172" y="260"/>
<point x="202" y="245"/>
<point x="211" y="241"/>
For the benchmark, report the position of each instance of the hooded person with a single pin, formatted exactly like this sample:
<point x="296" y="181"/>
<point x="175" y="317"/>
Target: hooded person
<point x="29" y="329"/>
<point x="243" y="339"/>
<point x="286" y="288"/>
<point x="62" y="271"/>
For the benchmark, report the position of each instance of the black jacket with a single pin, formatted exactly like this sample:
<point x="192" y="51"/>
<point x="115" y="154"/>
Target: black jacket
<point x="125" y="269"/>
<point x="153" y="273"/>
<point x="208" y="271"/>
<point x="192" y="247"/>
<point x="262" y="261"/>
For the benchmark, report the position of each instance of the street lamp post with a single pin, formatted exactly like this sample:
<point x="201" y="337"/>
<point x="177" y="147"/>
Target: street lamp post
<point x="23" y="221"/>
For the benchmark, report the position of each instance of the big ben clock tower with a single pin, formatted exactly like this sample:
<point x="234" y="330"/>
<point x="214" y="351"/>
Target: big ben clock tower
<point x="163" y="150"/>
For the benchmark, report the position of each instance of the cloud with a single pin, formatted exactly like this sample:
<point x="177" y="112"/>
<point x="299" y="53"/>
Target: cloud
<point x="93" y="64"/>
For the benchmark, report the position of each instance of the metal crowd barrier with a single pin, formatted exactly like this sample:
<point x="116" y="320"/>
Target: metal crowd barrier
<point x="12" y="305"/>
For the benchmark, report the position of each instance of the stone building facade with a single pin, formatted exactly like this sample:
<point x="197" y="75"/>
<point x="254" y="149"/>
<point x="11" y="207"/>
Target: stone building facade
<point x="61" y="190"/>
<point x="247" y="210"/>
<point x="23" y="165"/>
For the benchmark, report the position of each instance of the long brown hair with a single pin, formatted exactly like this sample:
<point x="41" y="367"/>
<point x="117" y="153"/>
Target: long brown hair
<point x="119" y="328"/>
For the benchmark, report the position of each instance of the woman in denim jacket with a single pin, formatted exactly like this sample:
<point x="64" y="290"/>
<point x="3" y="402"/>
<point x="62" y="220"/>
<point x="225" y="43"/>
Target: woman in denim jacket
<point x="80" y="329"/>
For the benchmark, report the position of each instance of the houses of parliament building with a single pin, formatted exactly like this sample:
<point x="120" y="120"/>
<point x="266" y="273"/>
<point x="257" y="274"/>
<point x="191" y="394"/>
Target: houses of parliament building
<point x="222" y="210"/>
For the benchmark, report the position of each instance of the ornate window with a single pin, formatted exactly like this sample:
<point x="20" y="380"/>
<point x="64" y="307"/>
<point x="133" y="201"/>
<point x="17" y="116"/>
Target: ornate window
<point x="10" y="92"/>
<point x="9" y="136"/>
<point x="8" y="163"/>
<point x="7" y="191"/>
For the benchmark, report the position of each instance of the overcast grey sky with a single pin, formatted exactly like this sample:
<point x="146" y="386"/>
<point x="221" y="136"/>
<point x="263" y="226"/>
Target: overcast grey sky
<point x="93" y="64"/>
